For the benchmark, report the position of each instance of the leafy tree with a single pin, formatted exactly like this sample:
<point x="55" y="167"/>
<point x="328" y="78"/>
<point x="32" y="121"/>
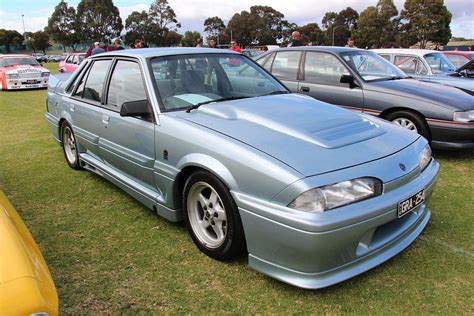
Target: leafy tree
<point x="162" y="21"/>
<point x="242" y="26"/>
<point x="190" y="38"/>
<point x="340" y="25"/>
<point x="137" y="26"/>
<point x="425" y="20"/>
<point x="62" y="25"/>
<point x="10" y="37"/>
<point x="269" y="24"/>
<point x="377" y="26"/>
<point x="99" y="20"/>
<point x="311" y="33"/>
<point x="172" y="38"/>
<point x="214" y="25"/>
<point x="40" y="41"/>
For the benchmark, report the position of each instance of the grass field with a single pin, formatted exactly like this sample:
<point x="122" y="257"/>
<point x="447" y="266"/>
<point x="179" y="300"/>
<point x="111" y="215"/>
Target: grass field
<point x="109" y="254"/>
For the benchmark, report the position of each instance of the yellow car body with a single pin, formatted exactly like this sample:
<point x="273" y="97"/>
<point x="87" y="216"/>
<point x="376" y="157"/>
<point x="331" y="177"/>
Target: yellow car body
<point x="26" y="286"/>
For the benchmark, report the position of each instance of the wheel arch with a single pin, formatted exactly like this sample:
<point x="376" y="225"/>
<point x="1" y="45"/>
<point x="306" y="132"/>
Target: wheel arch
<point x="196" y="162"/>
<point x="389" y="111"/>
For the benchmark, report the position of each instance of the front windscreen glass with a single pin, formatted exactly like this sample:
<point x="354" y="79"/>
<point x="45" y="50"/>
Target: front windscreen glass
<point x="372" y="67"/>
<point x="439" y="64"/>
<point x="185" y="81"/>
<point x="7" y="62"/>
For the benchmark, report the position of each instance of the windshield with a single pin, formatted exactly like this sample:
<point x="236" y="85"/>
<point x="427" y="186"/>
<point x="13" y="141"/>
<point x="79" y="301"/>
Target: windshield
<point x="185" y="81"/>
<point x="7" y="62"/>
<point x="372" y="67"/>
<point x="439" y="64"/>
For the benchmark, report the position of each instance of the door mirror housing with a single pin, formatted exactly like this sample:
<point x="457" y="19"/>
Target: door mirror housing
<point x="348" y="79"/>
<point x="139" y="108"/>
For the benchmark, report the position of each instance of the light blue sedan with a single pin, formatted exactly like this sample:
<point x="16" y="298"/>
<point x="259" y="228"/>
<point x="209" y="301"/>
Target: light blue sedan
<point x="313" y="193"/>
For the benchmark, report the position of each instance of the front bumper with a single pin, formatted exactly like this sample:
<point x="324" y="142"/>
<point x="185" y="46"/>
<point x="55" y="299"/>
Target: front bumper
<point x="331" y="247"/>
<point x="451" y="135"/>
<point x="26" y="83"/>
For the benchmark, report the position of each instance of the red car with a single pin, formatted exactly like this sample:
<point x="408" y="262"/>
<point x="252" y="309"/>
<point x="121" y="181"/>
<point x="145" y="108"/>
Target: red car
<point x="22" y="72"/>
<point x="459" y="58"/>
<point x="71" y="62"/>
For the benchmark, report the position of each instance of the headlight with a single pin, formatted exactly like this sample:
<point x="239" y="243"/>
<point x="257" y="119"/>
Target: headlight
<point x="467" y="116"/>
<point x="45" y="74"/>
<point x="12" y="76"/>
<point x="331" y="196"/>
<point x="425" y="157"/>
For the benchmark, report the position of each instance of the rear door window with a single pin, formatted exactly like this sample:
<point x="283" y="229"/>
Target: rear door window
<point x="95" y="81"/>
<point x="286" y="64"/>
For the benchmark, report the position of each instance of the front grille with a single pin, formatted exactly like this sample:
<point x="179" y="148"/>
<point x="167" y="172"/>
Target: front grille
<point x="30" y="75"/>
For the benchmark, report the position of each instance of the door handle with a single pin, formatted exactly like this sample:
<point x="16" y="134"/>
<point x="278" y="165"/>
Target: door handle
<point x="304" y="89"/>
<point x="72" y="107"/>
<point x="105" y="119"/>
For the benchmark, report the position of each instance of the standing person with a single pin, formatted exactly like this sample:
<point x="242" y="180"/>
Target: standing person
<point x="295" y="39"/>
<point x="199" y="42"/>
<point x="234" y="46"/>
<point x="97" y="49"/>
<point x="118" y="44"/>
<point x="350" y="43"/>
<point x="212" y="41"/>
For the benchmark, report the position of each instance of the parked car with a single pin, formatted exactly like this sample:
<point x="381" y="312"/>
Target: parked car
<point x="427" y="65"/>
<point x="71" y="62"/>
<point x="40" y="57"/>
<point x="459" y="58"/>
<point x="364" y="82"/>
<point x="315" y="194"/>
<point x="252" y="53"/>
<point x="22" y="72"/>
<point x="54" y="58"/>
<point x="26" y="285"/>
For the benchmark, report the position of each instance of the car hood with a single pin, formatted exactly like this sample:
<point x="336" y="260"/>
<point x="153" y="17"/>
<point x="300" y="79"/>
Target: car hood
<point x="24" y="69"/>
<point x="308" y="135"/>
<point x="446" y="96"/>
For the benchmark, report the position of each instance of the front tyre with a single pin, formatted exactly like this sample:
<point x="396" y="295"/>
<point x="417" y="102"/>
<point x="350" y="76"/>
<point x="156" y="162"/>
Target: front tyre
<point x="69" y="145"/>
<point x="212" y="217"/>
<point x="410" y="121"/>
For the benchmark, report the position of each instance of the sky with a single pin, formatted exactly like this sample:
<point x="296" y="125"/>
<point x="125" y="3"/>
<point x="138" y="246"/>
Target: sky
<point x="192" y="13"/>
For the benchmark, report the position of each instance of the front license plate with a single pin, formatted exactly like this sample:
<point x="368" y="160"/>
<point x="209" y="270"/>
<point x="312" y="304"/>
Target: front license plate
<point x="31" y="81"/>
<point x="408" y="205"/>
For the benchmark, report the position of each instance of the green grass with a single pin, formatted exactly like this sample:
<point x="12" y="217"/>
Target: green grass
<point x="109" y="254"/>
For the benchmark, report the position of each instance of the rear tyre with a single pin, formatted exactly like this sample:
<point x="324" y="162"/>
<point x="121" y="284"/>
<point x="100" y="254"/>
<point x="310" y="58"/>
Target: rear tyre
<point x="212" y="217"/>
<point x="411" y="121"/>
<point x="69" y="145"/>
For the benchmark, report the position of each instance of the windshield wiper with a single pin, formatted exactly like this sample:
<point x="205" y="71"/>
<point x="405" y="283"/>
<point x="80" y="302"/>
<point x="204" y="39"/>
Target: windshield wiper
<point x="194" y="107"/>
<point x="396" y="78"/>
<point x="275" y="92"/>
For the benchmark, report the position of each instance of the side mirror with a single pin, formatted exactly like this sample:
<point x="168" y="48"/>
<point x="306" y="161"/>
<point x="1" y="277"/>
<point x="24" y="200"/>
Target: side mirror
<point x="136" y="108"/>
<point x="348" y="79"/>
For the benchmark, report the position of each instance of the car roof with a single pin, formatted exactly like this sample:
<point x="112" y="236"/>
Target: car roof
<point x="334" y="49"/>
<point x="458" y="52"/>
<point x="163" y="51"/>
<point x="417" y="52"/>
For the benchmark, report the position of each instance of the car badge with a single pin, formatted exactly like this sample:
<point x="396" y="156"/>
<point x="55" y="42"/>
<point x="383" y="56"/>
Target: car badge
<point x="402" y="166"/>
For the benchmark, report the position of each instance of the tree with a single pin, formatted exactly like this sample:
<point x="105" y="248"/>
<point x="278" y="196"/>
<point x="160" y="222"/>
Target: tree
<point x="99" y="19"/>
<point x="137" y="26"/>
<point x="269" y="24"/>
<point x="214" y="26"/>
<point x="242" y="27"/>
<point x="190" y="38"/>
<point x="10" y="37"/>
<point x="172" y="38"/>
<point x="340" y="25"/>
<point x="311" y="33"/>
<point x="425" y="20"/>
<point x="40" y="41"/>
<point x="162" y="21"/>
<point x="62" y="25"/>
<point x="377" y="26"/>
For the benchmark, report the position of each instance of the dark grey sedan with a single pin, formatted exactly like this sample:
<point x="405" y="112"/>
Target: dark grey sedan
<point x="362" y="81"/>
